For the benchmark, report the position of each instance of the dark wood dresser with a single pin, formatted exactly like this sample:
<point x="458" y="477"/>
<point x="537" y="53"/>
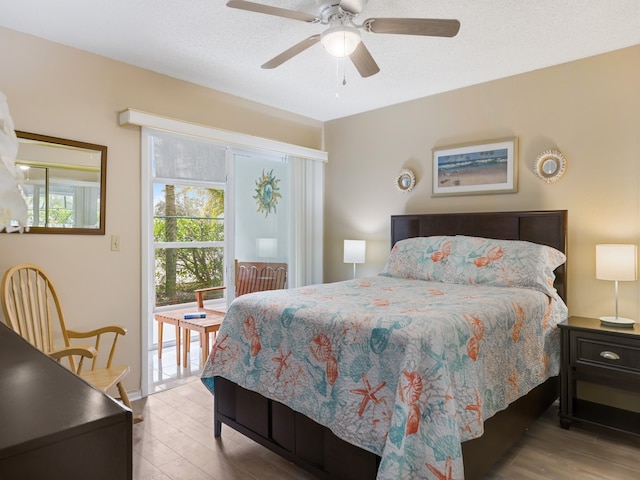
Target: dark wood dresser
<point x="54" y="425"/>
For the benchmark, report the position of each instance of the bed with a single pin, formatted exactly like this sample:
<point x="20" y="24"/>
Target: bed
<point x="379" y="393"/>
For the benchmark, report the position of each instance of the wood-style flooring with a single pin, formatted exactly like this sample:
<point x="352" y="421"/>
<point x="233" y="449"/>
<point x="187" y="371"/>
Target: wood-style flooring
<point x="175" y="442"/>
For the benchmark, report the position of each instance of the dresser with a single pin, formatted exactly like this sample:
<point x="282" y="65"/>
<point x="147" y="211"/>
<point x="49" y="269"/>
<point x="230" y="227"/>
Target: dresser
<point x="53" y="424"/>
<point x="607" y="359"/>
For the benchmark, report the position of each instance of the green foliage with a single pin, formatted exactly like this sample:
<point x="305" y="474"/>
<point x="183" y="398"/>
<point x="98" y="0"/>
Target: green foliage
<point x="188" y="214"/>
<point x="59" y="213"/>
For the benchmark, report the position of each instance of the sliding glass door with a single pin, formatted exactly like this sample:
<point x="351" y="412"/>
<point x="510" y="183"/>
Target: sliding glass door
<point x="262" y="220"/>
<point x="211" y="200"/>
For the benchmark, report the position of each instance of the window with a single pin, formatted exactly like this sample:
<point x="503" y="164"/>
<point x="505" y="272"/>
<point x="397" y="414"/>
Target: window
<point x="188" y="193"/>
<point x="188" y="232"/>
<point x="62" y="205"/>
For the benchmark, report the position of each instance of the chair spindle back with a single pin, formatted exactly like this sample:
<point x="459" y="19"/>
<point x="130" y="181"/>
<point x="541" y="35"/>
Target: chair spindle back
<point x="260" y="276"/>
<point x="31" y="307"/>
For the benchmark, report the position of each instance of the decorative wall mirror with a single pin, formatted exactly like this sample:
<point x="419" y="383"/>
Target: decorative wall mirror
<point x="550" y="166"/>
<point x="406" y="180"/>
<point x="64" y="184"/>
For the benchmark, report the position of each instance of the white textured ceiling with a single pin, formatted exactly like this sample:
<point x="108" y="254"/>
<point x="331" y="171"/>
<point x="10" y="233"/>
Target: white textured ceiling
<point x="207" y="43"/>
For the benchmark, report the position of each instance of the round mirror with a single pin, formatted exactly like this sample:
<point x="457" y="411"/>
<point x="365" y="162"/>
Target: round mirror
<point x="406" y="180"/>
<point x="550" y="166"/>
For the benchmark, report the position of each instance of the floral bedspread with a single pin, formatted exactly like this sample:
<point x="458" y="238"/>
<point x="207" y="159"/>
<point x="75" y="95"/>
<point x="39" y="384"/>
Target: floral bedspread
<point x="407" y="369"/>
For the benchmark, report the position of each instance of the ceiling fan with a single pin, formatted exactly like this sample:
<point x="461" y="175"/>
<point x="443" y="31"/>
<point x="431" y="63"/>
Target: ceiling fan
<point x="342" y="38"/>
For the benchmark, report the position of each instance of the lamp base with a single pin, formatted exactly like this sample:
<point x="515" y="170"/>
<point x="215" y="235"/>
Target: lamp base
<point x="617" y="322"/>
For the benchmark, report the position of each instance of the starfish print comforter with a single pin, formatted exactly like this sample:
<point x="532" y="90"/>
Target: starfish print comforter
<point x="407" y="369"/>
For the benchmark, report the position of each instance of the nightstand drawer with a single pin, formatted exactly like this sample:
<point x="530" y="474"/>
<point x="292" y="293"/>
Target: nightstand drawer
<point x="594" y="349"/>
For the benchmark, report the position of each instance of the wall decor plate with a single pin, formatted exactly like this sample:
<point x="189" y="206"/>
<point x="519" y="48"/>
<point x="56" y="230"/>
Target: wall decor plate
<point x="550" y="166"/>
<point x="406" y="180"/>
<point x="267" y="193"/>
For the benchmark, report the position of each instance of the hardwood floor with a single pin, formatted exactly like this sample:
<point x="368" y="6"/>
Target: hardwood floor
<point x="175" y="442"/>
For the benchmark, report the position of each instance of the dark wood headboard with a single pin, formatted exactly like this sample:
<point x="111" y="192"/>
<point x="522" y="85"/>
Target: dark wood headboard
<point x="543" y="227"/>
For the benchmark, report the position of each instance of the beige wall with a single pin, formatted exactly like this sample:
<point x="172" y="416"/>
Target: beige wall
<point x="59" y="91"/>
<point x="588" y="109"/>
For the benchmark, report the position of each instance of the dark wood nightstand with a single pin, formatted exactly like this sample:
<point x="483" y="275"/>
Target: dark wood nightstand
<point x="594" y="354"/>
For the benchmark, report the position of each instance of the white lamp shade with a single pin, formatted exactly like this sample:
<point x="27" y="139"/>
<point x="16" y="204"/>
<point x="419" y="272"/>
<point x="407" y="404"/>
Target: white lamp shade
<point x="340" y="41"/>
<point x="616" y="262"/>
<point x="354" y="251"/>
<point x="267" y="247"/>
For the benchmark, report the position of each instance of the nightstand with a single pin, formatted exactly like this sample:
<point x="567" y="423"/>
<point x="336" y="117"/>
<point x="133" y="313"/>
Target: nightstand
<point x="607" y="358"/>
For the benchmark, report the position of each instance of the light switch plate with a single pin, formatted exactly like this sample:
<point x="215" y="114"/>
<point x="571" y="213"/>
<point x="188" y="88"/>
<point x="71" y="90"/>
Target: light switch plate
<point x="115" y="243"/>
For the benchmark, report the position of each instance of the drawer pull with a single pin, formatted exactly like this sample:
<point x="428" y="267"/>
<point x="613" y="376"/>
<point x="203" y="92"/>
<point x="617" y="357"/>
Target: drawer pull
<point x="610" y="355"/>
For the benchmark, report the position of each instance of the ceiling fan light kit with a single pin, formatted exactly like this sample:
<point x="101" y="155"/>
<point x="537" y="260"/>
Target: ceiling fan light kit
<point x="342" y="38"/>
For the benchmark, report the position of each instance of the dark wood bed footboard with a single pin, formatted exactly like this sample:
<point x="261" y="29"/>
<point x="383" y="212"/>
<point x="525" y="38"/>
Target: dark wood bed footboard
<point x="316" y="449"/>
<point x="290" y="434"/>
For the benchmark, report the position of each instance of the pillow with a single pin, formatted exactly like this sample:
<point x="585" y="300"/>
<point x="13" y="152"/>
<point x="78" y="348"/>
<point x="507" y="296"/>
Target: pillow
<point x="419" y="258"/>
<point x="503" y="263"/>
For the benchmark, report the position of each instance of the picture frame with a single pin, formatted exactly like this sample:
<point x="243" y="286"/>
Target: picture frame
<point x="477" y="168"/>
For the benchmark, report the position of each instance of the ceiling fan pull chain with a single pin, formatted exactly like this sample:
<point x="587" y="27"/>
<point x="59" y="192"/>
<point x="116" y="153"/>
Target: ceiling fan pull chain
<point x="340" y="72"/>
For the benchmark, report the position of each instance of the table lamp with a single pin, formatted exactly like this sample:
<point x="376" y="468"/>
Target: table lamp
<point x="617" y="263"/>
<point x="354" y="252"/>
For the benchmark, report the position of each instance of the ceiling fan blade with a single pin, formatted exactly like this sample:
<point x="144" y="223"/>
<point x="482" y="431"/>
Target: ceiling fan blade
<point x="353" y="6"/>
<point x="277" y="11"/>
<point x="413" y="26"/>
<point x="292" y="52"/>
<point x="363" y="61"/>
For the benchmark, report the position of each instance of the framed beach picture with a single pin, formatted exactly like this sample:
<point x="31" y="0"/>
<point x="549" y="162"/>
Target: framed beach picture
<point x="476" y="168"/>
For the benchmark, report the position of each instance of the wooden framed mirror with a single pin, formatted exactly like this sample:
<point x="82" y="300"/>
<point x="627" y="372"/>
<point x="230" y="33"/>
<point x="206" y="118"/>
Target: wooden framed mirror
<point x="64" y="184"/>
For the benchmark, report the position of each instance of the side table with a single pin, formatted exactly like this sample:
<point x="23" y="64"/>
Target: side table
<point x="171" y="318"/>
<point x="600" y="355"/>
<point x="204" y="326"/>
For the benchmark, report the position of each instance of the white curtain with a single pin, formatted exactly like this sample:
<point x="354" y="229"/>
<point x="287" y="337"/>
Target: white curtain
<point x="308" y="214"/>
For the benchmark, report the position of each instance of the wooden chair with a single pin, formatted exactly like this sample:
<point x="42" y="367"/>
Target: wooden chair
<point x="32" y="309"/>
<point x="201" y="294"/>
<point x="249" y="277"/>
<point x="259" y="277"/>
